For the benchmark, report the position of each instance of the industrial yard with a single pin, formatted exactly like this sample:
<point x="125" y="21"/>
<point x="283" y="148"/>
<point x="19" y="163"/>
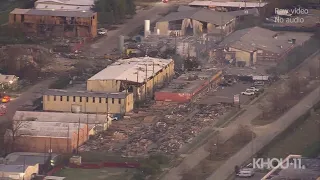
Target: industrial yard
<point x="169" y="90"/>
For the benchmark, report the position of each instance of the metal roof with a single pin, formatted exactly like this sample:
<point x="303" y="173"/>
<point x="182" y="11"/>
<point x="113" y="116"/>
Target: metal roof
<point x="255" y="38"/>
<point x="228" y="4"/>
<point x="48" y="129"/>
<point x="62" y="7"/>
<point x="185" y="8"/>
<point x="7" y="78"/>
<point x="133" y="69"/>
<point x="59" y="117"/>
<point x="61" y="92"/>
<point x="252" y="11"/>
<point x="38" y="12"/>
<point x="67" y="2"/>
<point x="205" y="15"/>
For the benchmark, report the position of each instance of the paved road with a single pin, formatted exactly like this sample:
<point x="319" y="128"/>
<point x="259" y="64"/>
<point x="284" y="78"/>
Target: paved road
<point x="264" y="138"/>
<point x="28" y="96"/>
<point x="110" y="42"/>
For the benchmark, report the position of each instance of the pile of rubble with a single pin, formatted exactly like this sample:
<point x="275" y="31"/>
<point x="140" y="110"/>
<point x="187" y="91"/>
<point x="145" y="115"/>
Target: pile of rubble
<point x="168" y="134"/>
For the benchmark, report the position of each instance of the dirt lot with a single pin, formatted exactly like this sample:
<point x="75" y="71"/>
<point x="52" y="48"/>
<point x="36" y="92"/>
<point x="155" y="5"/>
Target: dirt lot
<point x="96" y="174"/>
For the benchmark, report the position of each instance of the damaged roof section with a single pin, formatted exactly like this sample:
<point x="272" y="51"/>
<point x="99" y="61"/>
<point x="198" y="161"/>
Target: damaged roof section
<point x="59" y="117"/>
<point x="133" y="69"/>
<point x="252" y="39"/>
<point x="48" y="129"/>
<point x="59" y="13"/>
<point x="204" y="15"/>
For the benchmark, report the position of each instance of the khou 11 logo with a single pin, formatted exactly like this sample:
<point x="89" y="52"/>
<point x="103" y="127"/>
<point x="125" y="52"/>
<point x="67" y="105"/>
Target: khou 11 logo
<point x="271" y="163"/>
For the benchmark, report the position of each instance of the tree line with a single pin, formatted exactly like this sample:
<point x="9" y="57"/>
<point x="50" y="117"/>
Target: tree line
<point x="114" y="11"/>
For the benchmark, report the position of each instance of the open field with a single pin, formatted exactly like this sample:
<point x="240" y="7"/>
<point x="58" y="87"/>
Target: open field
<point x="96" y="174"/>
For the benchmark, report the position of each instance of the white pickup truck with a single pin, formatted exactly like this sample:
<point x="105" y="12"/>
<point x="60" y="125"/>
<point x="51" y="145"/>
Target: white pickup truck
<point x="248" y="92"/>
<point x="253" y="89"/>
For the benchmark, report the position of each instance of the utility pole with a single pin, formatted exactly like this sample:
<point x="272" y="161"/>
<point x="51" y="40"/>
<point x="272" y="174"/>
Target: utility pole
<point x="125" y="98"/>
<point x="68" y="136"/>
<point x="78" y="137"/>
<point x="87" y="127"/>
<point x="252" y="138"/>
<point x="146" y="82"/>
<point x="153" y="78"/>
<point x="45" y="152"/>
<point x="24" y="165"/>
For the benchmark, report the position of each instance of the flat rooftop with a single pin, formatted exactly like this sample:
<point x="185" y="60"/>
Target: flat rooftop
<point x="48" y="129"/>
<point x="28" y="158"/>
<point x="133" y="69"/>
<point x="228" y="4"/>
<point x="59" y="13"/>
<point x="12" y="168"/>
<point x="59" y="117"/>
<point x="60" y="92"/>
<point x="189" y="82"/>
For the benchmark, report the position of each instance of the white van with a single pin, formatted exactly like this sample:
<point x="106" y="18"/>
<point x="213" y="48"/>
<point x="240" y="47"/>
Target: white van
<point x="246" y="172"/>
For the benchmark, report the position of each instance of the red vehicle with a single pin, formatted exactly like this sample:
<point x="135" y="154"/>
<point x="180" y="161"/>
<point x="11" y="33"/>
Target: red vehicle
<point x="5" y="99"/>
<point x="164" y="1"/>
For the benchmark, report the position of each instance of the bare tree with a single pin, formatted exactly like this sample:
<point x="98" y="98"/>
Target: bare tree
<point x="294" y="85"/>
<point x="213" y="146"/>
<point x="244" y="133"/>
<point x="12" y="133"/>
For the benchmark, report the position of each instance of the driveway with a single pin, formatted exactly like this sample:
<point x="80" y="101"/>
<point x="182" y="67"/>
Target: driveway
<point x="26" y="97"/>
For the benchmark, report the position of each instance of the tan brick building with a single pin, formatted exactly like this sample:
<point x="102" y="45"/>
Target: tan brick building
<point x="55" y="137"/>
<point x="87" y="102"/>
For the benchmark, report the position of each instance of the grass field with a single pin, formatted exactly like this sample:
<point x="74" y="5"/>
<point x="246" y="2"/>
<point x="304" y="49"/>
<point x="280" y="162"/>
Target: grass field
<point x="301" y="139"/>
<point x="96" y="174"/>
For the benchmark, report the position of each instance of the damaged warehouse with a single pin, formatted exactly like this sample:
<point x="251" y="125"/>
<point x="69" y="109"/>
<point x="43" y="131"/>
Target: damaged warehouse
<point x="56" y="22"/>
<point x="139" y="76"/>
<point x="186" y="87"/>
<point x="196" y="21"/>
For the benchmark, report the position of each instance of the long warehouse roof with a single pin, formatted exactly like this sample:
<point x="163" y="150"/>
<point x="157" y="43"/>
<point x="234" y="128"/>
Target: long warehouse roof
<point x="133" y="69"/>
<point x="228" y="4"/>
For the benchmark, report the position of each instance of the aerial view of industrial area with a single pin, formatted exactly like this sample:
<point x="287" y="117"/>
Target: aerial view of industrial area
<point x="159" y="89"/>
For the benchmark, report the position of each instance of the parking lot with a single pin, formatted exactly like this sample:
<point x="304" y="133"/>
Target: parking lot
<point x="224" y="94"/>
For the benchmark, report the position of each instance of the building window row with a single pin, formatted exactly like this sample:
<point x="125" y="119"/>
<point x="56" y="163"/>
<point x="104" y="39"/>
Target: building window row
<point x="94" y="99"/>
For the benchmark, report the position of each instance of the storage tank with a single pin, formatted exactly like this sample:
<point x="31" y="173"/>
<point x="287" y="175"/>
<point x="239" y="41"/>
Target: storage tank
<point x="121" y="44"/>
<point x="146" y="28"/>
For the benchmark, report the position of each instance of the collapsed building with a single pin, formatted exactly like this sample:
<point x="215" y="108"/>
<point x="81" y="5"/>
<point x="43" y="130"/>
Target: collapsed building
<point x="258" y="45"/>
<point x="196" y="21"/>
<point x="189" y="86"/>
<point x="55" y="22"/>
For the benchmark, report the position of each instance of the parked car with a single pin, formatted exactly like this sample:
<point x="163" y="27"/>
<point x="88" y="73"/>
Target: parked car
<point x="102" y="31"/>
<point x="252" y="88"/>
<point x="246" y="172"/>
<point x="248" y="93"/>
<point x="258" y="83"/>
